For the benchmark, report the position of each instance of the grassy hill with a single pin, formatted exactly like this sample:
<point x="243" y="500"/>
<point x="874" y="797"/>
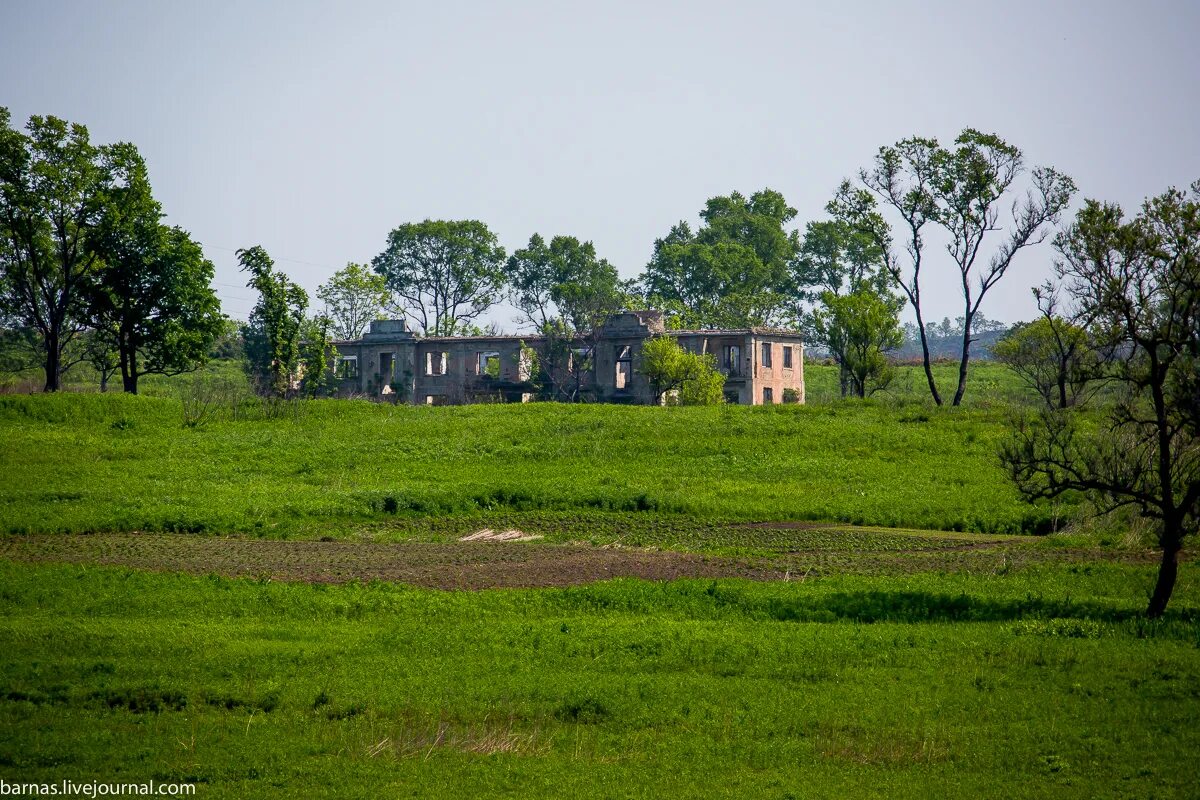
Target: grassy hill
<point x="89" y="462"/>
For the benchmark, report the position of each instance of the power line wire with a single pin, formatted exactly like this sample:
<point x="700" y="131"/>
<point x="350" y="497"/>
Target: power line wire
<point x="279" y="258"/>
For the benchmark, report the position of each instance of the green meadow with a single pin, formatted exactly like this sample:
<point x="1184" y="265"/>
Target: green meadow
<point x="909" y="630"/>
<point x="91" y="462"/>
<point x="948" y="685"/>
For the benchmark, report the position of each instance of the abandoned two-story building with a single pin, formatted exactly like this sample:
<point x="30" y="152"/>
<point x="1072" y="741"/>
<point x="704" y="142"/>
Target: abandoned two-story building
<point x="761" y="365"/>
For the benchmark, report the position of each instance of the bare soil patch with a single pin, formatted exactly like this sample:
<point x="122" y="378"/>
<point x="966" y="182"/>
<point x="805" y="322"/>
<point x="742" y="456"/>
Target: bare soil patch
<point x="515" y="562"/>
<point x="465" y="565"/>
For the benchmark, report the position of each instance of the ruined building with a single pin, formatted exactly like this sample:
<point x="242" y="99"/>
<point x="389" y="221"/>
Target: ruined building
<point x="761" y="365"/>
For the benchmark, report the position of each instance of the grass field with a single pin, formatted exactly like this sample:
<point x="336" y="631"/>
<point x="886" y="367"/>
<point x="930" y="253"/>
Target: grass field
<point x="990" y="384"/>
<point x="835" y="600"/>
<point x="80" y="462"/>
<point x="946" y="685"/>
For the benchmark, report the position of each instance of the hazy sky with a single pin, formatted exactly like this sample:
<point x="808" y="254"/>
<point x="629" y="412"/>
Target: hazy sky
<point x="315" y="128"/>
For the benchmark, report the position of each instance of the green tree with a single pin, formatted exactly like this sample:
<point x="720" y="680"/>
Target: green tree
<point x="567" y="293"/>
<point x="1054" y="356"/>
<point x="534" y="274"/>
<point x="318" y="355"/>
<point x="835" y="257"/>
<point x="1137" y="283"/>
<point x="20" y="348"/>
<point x="732" y="272"/>
<point x="273" y="335"/>
<point x="838" y="261"/>
<point x="150" y="292"/>
<point x="228" y="344"/>
<point x="256" y="353"/>
<point x="674" y="373"/>
<point x="101" y="354"/>
<point x="859" y="329"/>
<point x="52" y="185"/>
<point x="444" y="273"/>
<point x="353" y="297"/>
<point x="564" y="280"/>
<point x="961" y="191"/>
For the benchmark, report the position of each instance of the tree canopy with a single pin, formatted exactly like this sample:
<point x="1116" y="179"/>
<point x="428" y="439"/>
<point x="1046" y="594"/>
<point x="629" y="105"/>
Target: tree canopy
<point x="149" y="295"/>
<point x="444" y="273"/>
<point x="566" y="293"/>
<point x="1055" y="357"/>
<point x="563" y="280"/>
<point x="52" y="185"/>
<point x="860" y="328"/>
<point x="734" y="271"/>
<point x="276" y="325"/>
<point x="844" y="270"/>
<point x="679" y="376"/>
<point x="961" y="191"/>
<point x="353" y="297"/>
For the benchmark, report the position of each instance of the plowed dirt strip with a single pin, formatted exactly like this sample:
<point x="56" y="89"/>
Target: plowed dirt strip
<point x="466" y="565"/>
<point x="489" y="564"/>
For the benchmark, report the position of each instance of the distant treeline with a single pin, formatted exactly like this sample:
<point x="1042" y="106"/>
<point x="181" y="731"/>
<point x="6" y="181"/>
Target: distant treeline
<point x="945" y="339"/>
<point x="90" y="274"/>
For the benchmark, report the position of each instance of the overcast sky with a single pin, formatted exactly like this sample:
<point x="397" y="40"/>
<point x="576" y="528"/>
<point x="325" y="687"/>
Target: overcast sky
<point x="315" y="128"/>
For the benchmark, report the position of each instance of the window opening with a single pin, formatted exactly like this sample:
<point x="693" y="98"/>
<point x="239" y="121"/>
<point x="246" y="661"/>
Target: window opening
<point x="624" y="370"/>
<point x="488" y="363"/>
<point x="731" y="359"/>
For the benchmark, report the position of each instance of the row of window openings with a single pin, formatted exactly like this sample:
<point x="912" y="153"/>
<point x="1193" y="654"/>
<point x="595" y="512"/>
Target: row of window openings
<point x="487" y="363"/>
<point x="731" y="358"/>
<point x="732" y="397"/>
<point x="766" y="355"/>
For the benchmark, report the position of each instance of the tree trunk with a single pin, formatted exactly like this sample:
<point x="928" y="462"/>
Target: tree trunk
<point x="53" y="362"/>
<point x="103" y="380"/>
<point x="1168" y="571"/>
<point x="937" y="398"/>
<point x="966" y="357"/>
<point x="129" y="369"/>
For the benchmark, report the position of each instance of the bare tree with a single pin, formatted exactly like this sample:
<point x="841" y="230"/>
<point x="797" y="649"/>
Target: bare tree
<point x="960" y="191"/>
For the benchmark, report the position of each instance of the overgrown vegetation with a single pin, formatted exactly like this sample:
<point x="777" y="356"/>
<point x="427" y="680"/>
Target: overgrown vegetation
<point x="679" y="377"/>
